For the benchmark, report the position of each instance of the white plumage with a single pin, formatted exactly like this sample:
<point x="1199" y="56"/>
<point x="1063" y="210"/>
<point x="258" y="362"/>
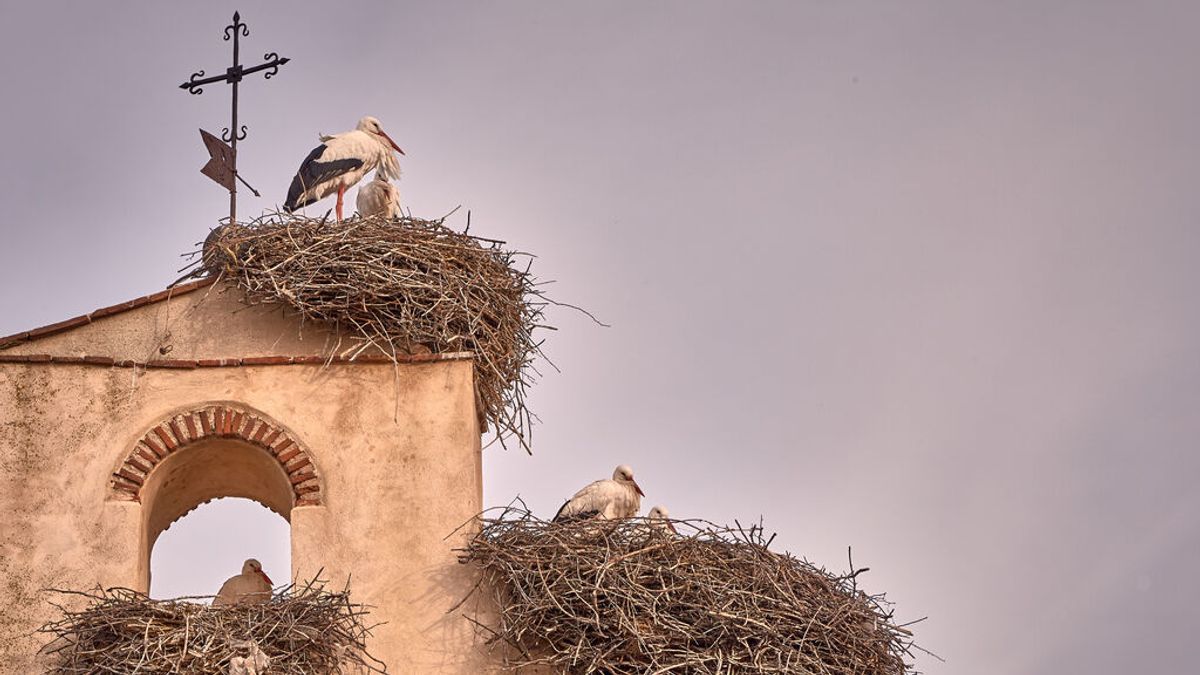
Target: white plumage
<point x="340" y="162"/>
<point x="250" y="659"/>
<point x="378" y="198"/>
<point x="616" y="497"/>
<point x="252" y="586"/>
<point x="660" y="520"/>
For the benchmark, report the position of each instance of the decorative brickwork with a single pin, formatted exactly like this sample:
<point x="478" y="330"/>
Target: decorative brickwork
<point x="217" y="421"/>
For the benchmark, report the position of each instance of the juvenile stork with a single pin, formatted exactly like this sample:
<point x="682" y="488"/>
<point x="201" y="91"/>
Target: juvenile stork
<point x="378" y="198"/>
<point x="616" y="497"/>
<point x="660" y="520"/>
<point x="251" y="587"/>
<point x="340" y="161"/>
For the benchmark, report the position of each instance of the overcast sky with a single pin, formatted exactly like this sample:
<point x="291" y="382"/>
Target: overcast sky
<point x="916" y="278"/>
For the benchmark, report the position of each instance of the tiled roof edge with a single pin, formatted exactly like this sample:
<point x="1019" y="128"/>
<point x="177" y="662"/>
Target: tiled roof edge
<point x="188" y="364"/>
<point x="83" y="320"/>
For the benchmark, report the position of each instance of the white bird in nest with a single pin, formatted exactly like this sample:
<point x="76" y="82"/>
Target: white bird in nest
<point x="660" y="520"/>
<point x="378" y="198"/>
<point x="340" y="162"/>
<point x="252" y="586"/>
<point x="618" y="497"/>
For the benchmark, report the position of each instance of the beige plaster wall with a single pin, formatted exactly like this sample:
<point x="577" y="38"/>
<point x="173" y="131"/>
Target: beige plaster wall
<point x="396" y="448"/>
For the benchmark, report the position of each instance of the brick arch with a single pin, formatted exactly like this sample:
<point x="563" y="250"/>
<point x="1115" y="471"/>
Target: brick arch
<point x="217" y="421"/>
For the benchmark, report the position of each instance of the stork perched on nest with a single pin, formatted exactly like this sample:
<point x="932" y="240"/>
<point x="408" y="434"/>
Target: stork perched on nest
<point x="340" y="162"/>
<point x="252" y="586"/>
<point x="616" y="497"/>
<point x="378" y="198"/>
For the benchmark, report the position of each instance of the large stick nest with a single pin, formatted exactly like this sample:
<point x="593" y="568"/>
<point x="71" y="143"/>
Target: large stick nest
<point x="303" y="630"/>
<point x="630" y="597"/>
<point x="400" y="286"/>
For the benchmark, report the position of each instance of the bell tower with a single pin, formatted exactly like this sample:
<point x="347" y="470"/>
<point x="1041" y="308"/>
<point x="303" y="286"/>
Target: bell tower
<point x="116" y="423"/>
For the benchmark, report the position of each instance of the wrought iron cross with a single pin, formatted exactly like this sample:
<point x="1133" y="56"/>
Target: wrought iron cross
<point x="223" y="166"/>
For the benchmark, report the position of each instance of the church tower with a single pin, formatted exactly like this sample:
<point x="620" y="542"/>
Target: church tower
<point x="115" y="424"/>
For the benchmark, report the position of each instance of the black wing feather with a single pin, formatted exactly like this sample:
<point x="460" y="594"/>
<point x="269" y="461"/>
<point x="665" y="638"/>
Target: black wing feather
<point x="313" y="172"/>
<point x="558" y="516"/>
<point x="582" y="515"/>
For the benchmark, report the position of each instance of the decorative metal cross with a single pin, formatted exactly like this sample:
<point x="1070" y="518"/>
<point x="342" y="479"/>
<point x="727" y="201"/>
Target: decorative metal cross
<point x="222" y="168"/>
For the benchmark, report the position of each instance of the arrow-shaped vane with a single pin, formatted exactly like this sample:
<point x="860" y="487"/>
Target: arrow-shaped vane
<point x="220" y="165"/>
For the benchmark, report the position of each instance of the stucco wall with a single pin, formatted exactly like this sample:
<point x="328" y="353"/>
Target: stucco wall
<point x="396" y="448"/>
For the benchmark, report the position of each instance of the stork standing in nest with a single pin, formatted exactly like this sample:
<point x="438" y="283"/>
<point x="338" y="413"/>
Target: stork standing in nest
<point x="340" y="162"/>
<point x="616" y="497"/>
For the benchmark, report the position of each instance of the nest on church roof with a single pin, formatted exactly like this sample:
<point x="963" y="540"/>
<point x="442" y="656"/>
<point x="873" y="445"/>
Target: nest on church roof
<point x="302" y="630"/>
<point x="401" y="286"/>
<point x="628" y="597"/>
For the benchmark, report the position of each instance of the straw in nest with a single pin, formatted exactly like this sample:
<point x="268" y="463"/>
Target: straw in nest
<point x="303" y="630"/>
<point x="627" y="597"/>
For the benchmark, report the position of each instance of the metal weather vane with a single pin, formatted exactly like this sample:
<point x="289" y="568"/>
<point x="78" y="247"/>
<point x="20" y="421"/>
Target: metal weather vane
<point x="222" y="167"/>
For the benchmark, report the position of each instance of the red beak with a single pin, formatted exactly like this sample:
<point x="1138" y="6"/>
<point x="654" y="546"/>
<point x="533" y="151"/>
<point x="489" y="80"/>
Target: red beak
<point x="389" y="140"/>
<point x="637" y="487"/>
<point x="268" y="579"/>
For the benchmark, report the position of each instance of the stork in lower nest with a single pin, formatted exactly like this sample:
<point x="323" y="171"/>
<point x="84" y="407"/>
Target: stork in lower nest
<point x="252" y="586"/>
<point x="611" y="498"/>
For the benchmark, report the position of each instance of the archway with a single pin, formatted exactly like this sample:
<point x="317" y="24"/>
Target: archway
<point x="220" y="450"/>
<point x="198" y="552"/>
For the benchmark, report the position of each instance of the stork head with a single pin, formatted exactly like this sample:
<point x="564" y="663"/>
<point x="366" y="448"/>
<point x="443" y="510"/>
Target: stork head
<point x="371" y="126"/>
<point x="252" y="566"/>
<point x="660" y="517"/>
<point x="624" y="474"/>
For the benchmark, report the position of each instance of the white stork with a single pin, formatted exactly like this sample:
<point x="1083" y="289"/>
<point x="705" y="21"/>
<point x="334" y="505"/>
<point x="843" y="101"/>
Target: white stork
<point x="660" y="520"/>
<point x="252" y="586"/>
<point x="340" y="161"/>
<point x="618" y="497"/>
<point x="378" y="198"/>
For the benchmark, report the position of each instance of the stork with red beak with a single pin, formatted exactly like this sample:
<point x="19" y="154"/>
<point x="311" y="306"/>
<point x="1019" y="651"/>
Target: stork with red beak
<point x="251" y="587"/>
<point x="340" y="162"/>
<point x="618" y="497"/>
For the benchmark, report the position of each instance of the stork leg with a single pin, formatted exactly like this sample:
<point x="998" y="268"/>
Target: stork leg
<point x="341" y="193"/>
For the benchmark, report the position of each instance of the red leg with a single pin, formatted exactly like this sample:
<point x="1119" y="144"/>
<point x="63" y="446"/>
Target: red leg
<point x="341" y="192"/>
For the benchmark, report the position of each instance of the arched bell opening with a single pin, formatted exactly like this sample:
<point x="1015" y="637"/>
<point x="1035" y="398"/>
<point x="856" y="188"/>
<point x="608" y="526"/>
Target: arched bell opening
<point x="214" y="452"/>
<point x="204" y="471"/>
<point x="198" y="552"/>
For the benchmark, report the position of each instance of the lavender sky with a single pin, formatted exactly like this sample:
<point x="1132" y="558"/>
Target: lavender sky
<point x="916" y="278"/>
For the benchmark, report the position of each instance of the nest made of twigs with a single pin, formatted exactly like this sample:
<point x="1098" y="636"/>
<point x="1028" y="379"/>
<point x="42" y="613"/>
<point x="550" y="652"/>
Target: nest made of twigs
<point x="303" y="630"/>
<point x="400" y="285"/>
<point x="630" y="597"/>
